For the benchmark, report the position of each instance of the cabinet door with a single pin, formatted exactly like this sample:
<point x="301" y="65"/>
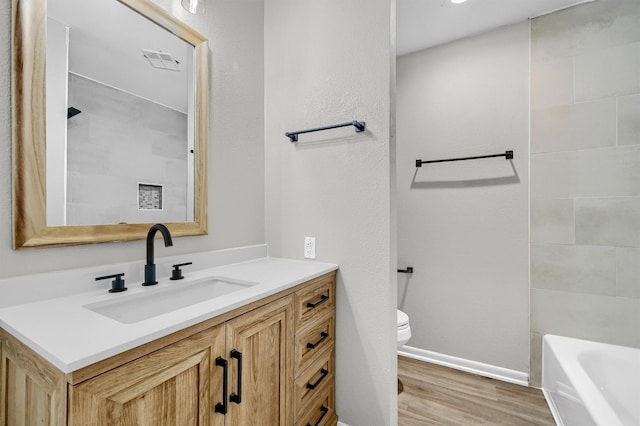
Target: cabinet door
<point x="32" y="392"/>
<point x="260" y="344"/>
<point x="170" y="387"/>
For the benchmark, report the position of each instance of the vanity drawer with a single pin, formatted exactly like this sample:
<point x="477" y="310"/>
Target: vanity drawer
<point x="315" y="300"/>
<point x="312" y="381"/>
<point x="321" y="410"/>
<point x="313" y="340"/>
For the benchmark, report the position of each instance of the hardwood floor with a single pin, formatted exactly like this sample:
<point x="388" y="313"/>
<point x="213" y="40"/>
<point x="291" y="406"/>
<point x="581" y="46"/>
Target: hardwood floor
<point x="436" y="395"/>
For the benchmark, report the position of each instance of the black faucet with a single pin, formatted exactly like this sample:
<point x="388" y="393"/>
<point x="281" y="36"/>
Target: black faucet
<point x="150" y="267"/>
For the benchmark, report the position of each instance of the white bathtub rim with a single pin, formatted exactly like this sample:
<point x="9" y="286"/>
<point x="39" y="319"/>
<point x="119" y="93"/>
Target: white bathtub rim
<point x="592" y="399"/>
<point x="552" y="407"/>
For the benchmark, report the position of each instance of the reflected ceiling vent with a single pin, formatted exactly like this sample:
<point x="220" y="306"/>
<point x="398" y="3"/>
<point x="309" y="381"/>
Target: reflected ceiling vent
<point x="161" y="60"/>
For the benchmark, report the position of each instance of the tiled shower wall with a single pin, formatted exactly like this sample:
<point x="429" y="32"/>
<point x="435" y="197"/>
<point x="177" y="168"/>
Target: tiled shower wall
<point x="118" y="141"/>
<point x="585" y="175"/>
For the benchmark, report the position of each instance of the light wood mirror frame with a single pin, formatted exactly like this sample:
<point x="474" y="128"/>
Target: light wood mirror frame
<point x="29" y="146"/>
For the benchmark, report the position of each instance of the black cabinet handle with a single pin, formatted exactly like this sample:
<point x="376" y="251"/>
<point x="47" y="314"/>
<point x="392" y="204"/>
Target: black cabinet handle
<point x="221" y="407"/>
<point x="323" y="335"/>
<point x="237" y="397"/>
<point x="323" y="299"/>
<point x="312" y="386"/>
<point x="324" y="410"/>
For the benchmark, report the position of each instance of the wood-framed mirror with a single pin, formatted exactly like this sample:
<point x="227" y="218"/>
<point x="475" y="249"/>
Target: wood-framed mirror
<point x="40" y="218"/>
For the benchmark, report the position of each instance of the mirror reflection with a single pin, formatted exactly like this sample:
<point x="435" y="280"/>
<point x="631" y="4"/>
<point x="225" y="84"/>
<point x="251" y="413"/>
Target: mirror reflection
<point x="119" y="117"/>
<point x="60" y="179"/>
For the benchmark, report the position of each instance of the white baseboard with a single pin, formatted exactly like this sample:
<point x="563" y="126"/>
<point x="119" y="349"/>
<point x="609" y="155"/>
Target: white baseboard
<point x="342" y="424"/>
<point x="475" y="367"/>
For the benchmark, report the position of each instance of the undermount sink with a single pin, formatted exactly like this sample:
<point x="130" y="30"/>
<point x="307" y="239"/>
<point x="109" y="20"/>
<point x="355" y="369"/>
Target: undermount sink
<point x="158" y="301"/>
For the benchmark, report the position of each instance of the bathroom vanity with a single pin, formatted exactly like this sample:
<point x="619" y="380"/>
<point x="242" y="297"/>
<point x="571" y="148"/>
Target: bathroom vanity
<point x="262" y="355"/>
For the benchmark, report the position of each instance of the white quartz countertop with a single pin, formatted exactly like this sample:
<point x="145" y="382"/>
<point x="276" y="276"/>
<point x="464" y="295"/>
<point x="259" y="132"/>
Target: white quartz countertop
<point x="71" y="337"/>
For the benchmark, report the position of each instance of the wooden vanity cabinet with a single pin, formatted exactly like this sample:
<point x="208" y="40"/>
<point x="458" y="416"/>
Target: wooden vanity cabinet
<point x="314" y="360"/>
<point x="32" y="391"/>
<point x="182" y="384"/>
<point x="180" y="381"/>
<point x="170" y="386"/>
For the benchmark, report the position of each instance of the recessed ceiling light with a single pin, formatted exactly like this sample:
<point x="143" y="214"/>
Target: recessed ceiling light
<point x="458" y="1"/>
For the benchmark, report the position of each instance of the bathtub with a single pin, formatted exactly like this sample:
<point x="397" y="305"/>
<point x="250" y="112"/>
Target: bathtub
<point x="588" y="383"/>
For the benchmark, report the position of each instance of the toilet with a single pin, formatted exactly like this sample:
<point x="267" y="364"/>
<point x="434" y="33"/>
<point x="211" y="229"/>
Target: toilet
<point x="404" y="330"/>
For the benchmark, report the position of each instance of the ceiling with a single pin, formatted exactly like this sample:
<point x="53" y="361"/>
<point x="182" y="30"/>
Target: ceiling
<point x="426" y="23"/>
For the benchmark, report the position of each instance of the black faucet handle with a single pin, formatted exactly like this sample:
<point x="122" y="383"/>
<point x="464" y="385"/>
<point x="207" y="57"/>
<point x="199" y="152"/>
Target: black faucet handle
<point x="117" y="285"/>
<point x="176" y="274"/>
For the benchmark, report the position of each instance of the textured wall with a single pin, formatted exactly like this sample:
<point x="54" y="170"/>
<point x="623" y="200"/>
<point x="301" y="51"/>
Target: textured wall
<point x="330" y="62"/>
<point x="463" y="225"/>
<point x="585" y="175"/>
<point x="236" y="138"/>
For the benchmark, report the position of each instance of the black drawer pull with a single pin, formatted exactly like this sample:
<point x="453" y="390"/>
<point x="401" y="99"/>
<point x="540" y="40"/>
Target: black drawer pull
<point x="237" y="397"/>
<point x="312" y="386"/>
<point x="324" y="410"/>
<point x="323" y="299"/>
<point x="323" y="335"/>
<point x="221" y="407"/>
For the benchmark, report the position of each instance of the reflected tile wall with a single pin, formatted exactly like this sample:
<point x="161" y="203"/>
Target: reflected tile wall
<point x="118" y="141"/>
<point x="629" y="120"/>
<point x="585" y="175"/>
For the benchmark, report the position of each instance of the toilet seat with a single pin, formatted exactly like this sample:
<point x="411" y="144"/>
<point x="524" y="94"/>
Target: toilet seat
<point x="404" y="329"/>
<point x="403" y="319"/>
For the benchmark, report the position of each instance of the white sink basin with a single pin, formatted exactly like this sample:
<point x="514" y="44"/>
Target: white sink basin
<point x="154" y="302"/>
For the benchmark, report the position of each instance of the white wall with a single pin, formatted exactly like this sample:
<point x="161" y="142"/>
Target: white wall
<point x="56" y="130"/>
<point x="236" y="150"/>
<point x="330" y="62"/>
<point x="463" y="226"/>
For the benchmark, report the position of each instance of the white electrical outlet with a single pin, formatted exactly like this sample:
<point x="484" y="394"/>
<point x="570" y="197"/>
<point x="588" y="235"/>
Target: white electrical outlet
<point x="310" y="247"/>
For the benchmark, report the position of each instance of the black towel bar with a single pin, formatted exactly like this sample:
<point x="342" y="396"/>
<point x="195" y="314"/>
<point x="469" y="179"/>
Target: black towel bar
<point x="508" y="155"/>
<point x="359" y="125"/>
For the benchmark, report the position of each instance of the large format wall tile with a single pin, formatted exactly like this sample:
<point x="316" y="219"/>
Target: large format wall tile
<point x="552" y="221"/>
<point x="609" y="72"/>
<point x="585" y="156"/>
<point x="585" y="28"/>
<point x="551" y="83"/>
<point x="628" y="272"/>
<point x="605" y="319"/>
<point x="603" y="172"/>
<point x="608" y="222"/>
<point x="570" y="127"/>
<point x="584" y="316"/>
<point x="579" y="269"/>
<point x="535" y="372"/>
<point x="629" y="120"/>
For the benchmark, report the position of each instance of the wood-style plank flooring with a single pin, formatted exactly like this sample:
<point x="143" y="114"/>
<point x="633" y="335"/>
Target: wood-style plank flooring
<point x="436" y="395"/>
